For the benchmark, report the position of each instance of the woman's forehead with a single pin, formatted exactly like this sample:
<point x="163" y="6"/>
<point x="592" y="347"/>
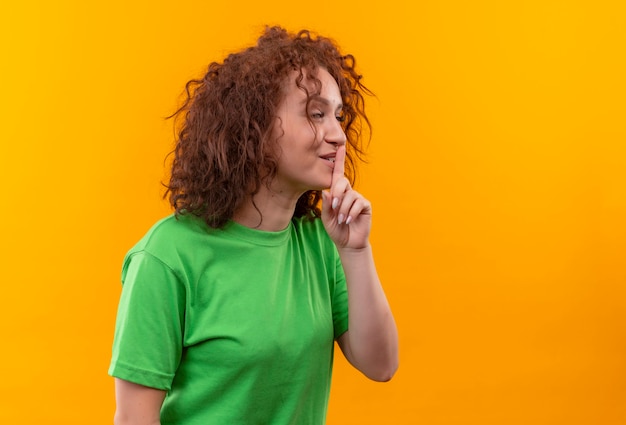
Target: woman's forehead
<point x="319" y="84"/>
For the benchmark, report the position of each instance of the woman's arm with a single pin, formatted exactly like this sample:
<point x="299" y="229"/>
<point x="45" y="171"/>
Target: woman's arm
<point x="371" y="342"/>
<point x="137" y="404"/>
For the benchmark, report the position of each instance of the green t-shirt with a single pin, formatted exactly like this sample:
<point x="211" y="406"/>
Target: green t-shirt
<point x="236" y="324"/>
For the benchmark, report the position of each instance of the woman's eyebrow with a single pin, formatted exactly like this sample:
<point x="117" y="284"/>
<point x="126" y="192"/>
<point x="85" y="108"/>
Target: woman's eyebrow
<point x="323" y="100"/>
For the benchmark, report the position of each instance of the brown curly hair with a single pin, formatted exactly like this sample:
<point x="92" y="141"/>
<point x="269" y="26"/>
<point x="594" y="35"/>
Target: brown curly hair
<point x="224" y="150"/>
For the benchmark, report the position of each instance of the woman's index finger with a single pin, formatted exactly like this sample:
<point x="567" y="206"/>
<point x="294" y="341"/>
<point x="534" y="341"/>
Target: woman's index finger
<point x="340" y="160"/>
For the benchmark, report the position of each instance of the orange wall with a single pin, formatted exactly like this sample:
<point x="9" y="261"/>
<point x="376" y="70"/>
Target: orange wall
<point x="497" y="174"/>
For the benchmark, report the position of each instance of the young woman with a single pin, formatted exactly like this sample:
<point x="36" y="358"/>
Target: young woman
<point x="231" y="306"/>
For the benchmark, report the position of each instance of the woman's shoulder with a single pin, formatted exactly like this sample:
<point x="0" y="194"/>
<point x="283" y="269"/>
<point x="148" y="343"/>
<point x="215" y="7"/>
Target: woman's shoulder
<point x="167" y="235"/>
<point x="173" y="227"/>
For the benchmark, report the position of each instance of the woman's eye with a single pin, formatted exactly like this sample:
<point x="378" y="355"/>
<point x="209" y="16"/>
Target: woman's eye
<point x="341" y="118"/>
<point x="317" y="115"/>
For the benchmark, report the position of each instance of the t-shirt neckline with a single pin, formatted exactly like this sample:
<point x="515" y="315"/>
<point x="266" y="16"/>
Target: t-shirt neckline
<point x="256" y="236"/>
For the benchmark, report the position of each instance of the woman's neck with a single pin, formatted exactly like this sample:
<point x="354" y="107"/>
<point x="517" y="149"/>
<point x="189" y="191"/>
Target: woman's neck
<point x="267" y="210"/>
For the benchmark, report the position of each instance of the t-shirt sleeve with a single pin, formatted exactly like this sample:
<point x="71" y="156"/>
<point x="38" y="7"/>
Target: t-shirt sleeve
<point x="149" y="329"/>
<point x="340" y="300"/>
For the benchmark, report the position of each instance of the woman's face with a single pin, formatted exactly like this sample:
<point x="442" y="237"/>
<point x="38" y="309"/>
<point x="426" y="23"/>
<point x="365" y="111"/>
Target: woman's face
<point x="306" y="154"/>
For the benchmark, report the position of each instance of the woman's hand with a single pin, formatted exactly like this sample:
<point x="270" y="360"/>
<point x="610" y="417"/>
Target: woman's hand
<point x="346" y="214"/>
<point x="371" y="341"/>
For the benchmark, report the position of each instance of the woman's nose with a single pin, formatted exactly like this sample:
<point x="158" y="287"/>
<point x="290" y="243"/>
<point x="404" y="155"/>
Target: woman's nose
<point x="335" y="134"/>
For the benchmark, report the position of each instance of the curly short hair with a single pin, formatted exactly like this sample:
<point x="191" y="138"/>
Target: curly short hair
<point x="224" y="150"/>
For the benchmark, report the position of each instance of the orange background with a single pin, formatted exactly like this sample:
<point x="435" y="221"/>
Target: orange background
<point x="497" y="173"/>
